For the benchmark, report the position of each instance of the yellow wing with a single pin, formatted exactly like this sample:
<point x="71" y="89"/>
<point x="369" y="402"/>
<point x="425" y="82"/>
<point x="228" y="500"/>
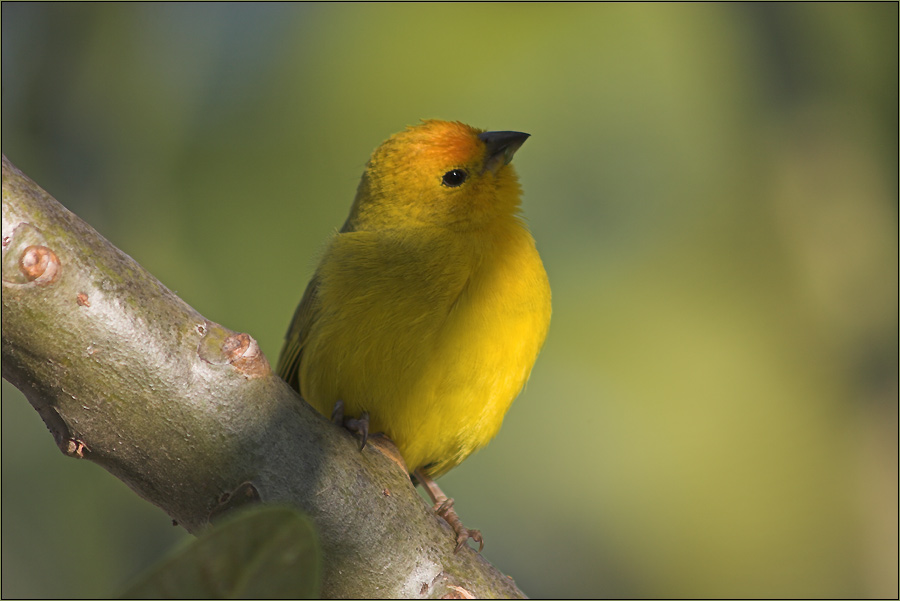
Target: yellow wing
<point x="295" y="339"/>
<point x="296" y="336"/>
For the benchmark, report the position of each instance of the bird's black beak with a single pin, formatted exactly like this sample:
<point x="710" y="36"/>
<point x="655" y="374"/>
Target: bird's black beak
<point x="500" y="147"/>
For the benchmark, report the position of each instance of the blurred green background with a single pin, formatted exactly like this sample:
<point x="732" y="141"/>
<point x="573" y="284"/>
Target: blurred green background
<point x="713" y="189"/>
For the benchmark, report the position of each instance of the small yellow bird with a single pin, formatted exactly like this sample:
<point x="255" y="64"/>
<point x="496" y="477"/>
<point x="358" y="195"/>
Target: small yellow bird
<point x="429" y="307"/>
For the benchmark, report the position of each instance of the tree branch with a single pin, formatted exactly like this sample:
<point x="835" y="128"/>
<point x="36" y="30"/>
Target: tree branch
<point x="189" y="414"/>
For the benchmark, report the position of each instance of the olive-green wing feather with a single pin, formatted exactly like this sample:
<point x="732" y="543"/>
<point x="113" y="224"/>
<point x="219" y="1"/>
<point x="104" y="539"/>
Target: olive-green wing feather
<point x="295" y="339"/>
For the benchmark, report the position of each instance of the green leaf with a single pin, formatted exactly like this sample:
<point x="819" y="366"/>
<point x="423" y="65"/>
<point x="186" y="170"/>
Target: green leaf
<point x="263" y="552"/>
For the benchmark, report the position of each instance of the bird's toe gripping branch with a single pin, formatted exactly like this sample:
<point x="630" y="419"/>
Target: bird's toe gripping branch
<point x="358" y="426"/>
<point x="443" y="506"/>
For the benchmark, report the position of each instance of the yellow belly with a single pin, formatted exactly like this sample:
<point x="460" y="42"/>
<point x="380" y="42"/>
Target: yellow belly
<point x="433" y="336"/>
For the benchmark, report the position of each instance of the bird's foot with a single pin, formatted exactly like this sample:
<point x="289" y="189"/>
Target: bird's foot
<point x="463" y="534"/>
<point x="443" y="506"/>
<point x="358" y="426"/>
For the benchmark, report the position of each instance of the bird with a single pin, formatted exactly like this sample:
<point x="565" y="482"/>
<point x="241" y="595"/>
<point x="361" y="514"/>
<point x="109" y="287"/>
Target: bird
<point x="429" y="306"/>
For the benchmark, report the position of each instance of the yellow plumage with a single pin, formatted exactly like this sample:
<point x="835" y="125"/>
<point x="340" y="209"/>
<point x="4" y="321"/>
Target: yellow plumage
<point x="430" y="305"/>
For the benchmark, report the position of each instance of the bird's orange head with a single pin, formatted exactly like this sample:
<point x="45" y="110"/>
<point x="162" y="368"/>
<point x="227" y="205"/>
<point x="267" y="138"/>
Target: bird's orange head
<point x="439" y="173"/>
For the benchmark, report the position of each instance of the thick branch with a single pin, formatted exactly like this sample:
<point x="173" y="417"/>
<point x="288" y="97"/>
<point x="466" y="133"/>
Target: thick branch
<point x="191" y="417"/>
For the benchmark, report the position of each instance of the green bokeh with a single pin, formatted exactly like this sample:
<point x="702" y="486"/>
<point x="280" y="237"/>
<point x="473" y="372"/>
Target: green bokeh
<point x="713" y="189"/>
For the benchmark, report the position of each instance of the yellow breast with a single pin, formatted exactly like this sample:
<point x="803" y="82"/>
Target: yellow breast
<point x="433" y="332"/>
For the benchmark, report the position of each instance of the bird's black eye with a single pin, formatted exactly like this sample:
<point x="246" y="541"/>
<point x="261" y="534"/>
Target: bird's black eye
<point x="455" y="178"/>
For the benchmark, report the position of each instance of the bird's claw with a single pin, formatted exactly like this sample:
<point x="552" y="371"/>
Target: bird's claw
<point x="357" y="426"/>
<point x="466" y="534"/>
<point x="463" y="534"/>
